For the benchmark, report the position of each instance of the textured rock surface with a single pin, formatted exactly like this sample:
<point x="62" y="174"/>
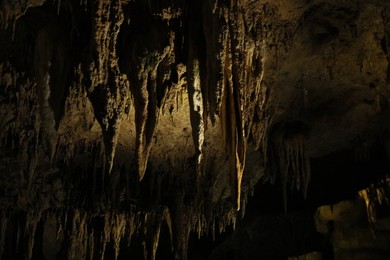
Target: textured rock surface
<point x="350" y="234"/>
<point x="120" y="119"/>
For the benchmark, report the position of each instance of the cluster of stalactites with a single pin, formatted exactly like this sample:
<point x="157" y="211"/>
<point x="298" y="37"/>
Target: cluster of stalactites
<point x="82" y="234"/>
<point x="237" y="96"/>
<point x="201" y="220"/>
<point x="148" y="68"/>
<point x="11" y="11"/>
<point x="291" y="164"/>
<point x="25" y="233"/>
<point x="20" y="125"/>
<point x="223" y="92"/>
<point x="85" y="237"/>
<point x="374" y="196"/>
<point x="109" y="88"/>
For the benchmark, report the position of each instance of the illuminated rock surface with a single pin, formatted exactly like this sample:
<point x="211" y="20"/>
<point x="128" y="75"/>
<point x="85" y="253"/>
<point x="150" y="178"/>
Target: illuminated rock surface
<point x="133" y="129"/>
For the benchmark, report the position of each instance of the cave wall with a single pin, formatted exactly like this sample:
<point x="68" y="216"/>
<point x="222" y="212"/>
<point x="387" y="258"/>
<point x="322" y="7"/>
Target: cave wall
<point x="122" y="118"/>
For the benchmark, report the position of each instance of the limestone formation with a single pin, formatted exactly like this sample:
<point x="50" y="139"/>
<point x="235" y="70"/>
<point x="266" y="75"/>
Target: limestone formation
<point x="129" y="127"/>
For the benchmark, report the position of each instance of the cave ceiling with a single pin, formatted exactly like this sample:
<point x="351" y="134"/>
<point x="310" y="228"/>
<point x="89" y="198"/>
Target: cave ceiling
<point x="126" y="117"/>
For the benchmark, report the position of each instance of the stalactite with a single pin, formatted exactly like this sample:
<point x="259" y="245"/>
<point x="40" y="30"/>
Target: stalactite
<point x="51" y="64"/>
<point x="228" y="52"/>
<point x="374" y="196"/>
<point x="11" y="11"/>
<point x="60" y="227"/>
<point x="155" y="240"/>
<point x="196" y="110"/>
<point x="91" y="244"/>
<point x="148" y="68"/>
<point x="4" y="14"/>
<point x="3" y="228"/>
<point x="58" y="6"/>
<point x="131" y="226"/>
<point x="231" y="121"/>
<point x="213" y="33"/>
<point x="168" y="220"/>
<point x="106" y="235"/>
<point x="118" y="225"/>
<point x="182" y="220"/>
<point x="18" y="121"/>
<point x="32" y="219"/>
<point x="184" y="240"/>
<point x="362" y="148"/>
<point x="19" y="235"/>
<point x="78" y="236"/>
<point x="109" y="88"/>
<point x="81" y="234"/>
<point x="298" y="163"/>
<point x="145" y="122"/>
<point x="196" y="92"/>
<point x="292" y="162"/>
<point x="366" y="195"/>
<point x="242" y="102"/>
<point x="6" y="115"/>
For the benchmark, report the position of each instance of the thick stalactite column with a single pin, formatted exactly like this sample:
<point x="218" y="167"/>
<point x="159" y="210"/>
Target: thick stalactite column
<point x="148" y="58"/>
<point x="51" y="70"/>
<point x="108" y="87"/>
<point x="198" y="114"/>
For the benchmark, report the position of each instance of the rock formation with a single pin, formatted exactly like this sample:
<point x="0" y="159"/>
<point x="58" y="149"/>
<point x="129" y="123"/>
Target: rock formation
<point x="126" y="121"/>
